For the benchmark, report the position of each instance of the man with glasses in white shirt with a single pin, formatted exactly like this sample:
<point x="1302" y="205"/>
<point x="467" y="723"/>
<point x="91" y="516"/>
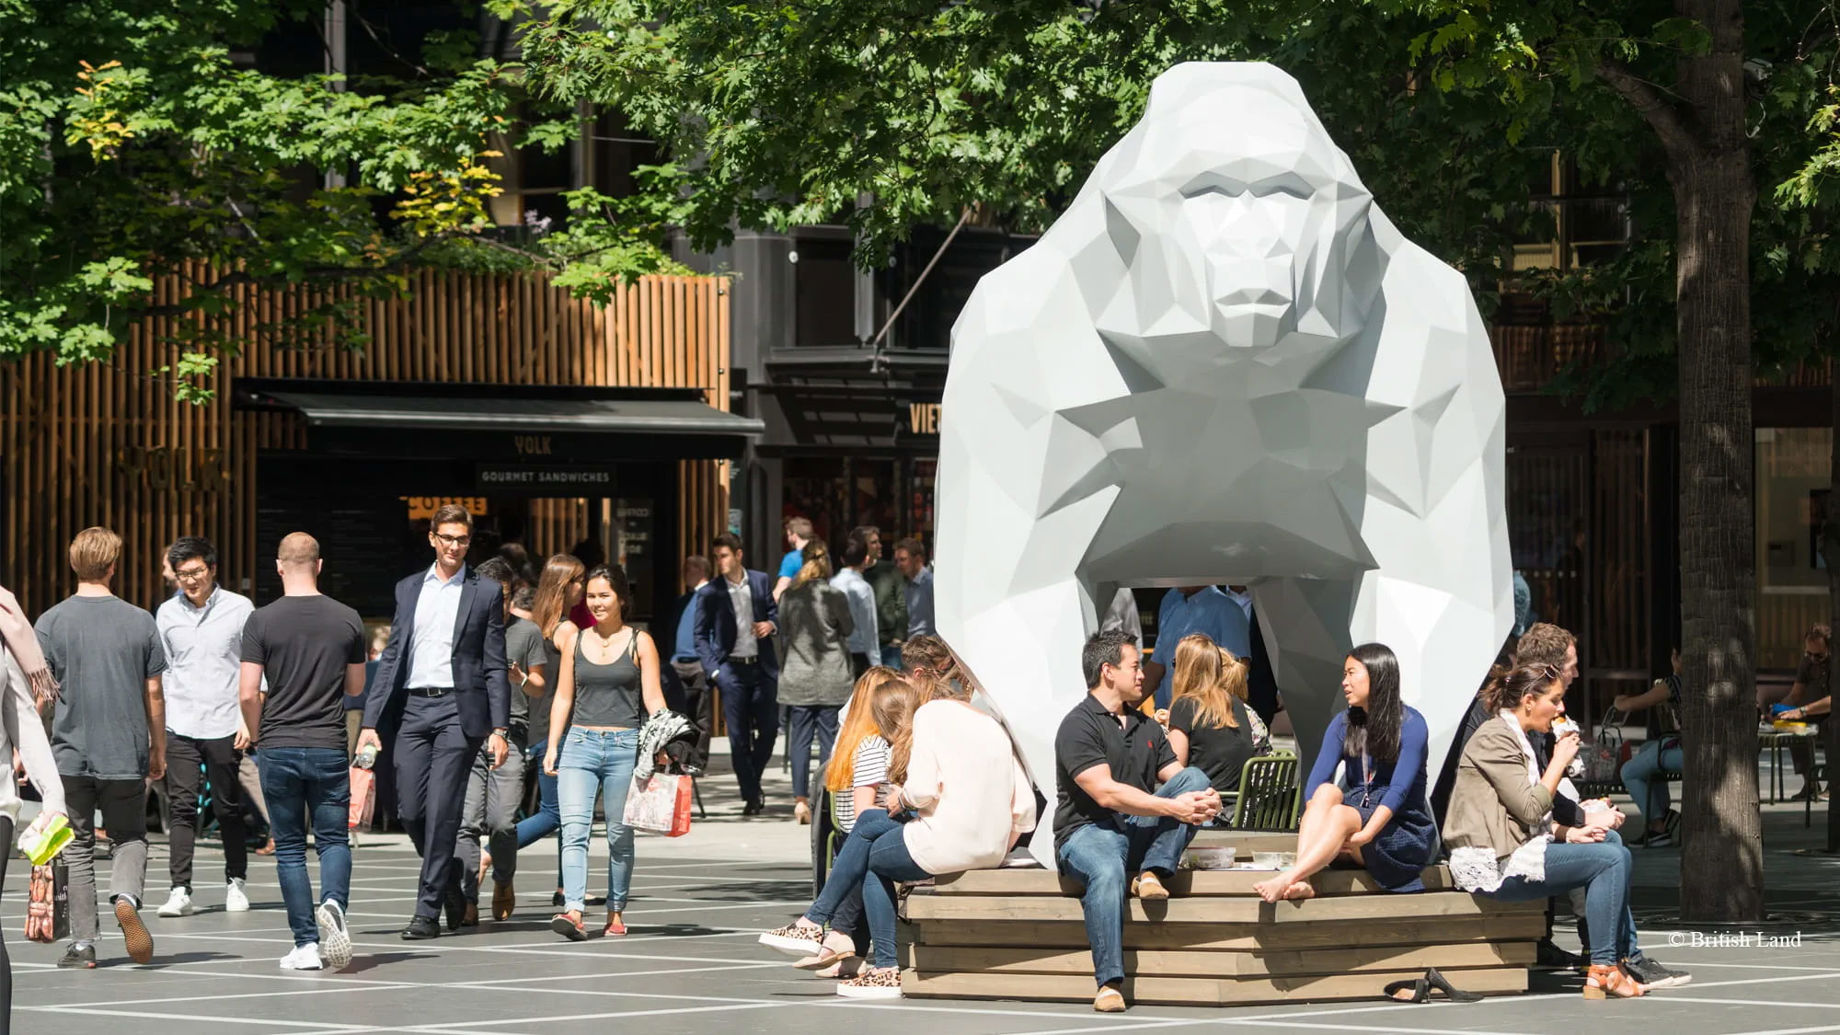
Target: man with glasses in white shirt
<point x="442" y="685"/>
<point x="201" y="630"/>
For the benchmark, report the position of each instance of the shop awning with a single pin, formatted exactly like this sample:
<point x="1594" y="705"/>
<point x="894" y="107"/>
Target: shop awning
<point x="625" y="416"/>
<point x="500" y="421"/>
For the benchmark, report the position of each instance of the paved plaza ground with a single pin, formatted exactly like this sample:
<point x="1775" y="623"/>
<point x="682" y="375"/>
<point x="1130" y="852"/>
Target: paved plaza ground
<point x="692" y="965"/>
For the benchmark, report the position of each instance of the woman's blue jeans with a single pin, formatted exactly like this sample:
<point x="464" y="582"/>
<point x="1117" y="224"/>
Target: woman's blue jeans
<point x="1603" y="869"/>
<point x="889" y="861"/>
<point x="537" y="826"/>
<point x="1653" y="799"/>
<point x="595" y="761"/>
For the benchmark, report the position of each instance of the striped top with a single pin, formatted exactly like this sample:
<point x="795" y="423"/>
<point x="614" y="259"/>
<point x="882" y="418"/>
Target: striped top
<point x="870" y="768"/>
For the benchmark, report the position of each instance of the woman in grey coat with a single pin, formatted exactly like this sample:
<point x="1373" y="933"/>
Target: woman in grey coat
<point x="814" y="680"/>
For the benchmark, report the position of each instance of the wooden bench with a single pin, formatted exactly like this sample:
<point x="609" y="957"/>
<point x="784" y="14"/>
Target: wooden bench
<point x="1020" y="934"/>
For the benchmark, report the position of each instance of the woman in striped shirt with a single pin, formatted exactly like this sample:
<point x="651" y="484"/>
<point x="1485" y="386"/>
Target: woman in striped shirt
<point x="871" y="748"/>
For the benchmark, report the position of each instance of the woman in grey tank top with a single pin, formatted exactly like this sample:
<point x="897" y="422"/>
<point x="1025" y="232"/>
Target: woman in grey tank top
<point x="607" y="687"/>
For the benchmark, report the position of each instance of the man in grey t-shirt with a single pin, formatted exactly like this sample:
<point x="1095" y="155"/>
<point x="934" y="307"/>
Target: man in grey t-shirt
<point x="493" y="795"/>
<point x="108" y="735"/>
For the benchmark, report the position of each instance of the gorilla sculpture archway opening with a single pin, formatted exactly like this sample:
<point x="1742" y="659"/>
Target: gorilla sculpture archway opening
<point x="1223" y="364"/>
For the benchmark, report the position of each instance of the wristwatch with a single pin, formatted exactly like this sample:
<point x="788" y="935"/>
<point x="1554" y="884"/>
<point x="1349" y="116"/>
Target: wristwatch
<point x="500" y="731"/>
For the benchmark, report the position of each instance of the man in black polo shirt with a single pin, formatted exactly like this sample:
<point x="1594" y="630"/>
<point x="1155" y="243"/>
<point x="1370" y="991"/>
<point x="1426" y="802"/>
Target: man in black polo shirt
<point x="1113" y="817"/>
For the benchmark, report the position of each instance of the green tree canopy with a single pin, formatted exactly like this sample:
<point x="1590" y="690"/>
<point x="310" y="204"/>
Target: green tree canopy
<point x="134" y="143"/>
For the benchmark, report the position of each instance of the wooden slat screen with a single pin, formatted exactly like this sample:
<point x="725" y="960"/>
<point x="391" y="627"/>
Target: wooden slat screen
<point x="109" y="444"/>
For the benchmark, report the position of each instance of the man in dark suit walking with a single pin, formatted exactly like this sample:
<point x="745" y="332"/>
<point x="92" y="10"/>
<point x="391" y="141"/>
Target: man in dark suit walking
<point x="736" y="618"/>
<point x="441" y="684"/>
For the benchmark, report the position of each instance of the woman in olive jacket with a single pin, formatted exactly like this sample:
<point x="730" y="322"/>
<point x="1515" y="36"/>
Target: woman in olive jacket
<point x="815" y="679"/>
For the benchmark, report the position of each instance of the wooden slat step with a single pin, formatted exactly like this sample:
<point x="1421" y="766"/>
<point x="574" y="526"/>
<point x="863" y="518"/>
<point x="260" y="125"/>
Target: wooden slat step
<point x="926" y="904"/>
<point x="942" y="959"/>
<point x="1196" y="991"/>
<point x="1184" y="882"/>
<point x="1071" y="934"/>
<point x="1247" y="841"/>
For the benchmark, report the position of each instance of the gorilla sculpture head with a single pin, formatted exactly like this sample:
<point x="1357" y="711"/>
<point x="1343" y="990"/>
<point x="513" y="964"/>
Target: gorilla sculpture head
<point x="1223" y="364"/>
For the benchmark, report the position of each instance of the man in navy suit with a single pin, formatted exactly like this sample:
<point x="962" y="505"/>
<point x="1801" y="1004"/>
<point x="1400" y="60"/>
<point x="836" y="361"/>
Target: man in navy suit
<point x="736" y="618"/>
<point x="441" y="684"/>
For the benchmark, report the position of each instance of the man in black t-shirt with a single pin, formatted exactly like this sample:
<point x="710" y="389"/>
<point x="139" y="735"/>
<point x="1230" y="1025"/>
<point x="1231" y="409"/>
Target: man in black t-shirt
<point x="310" y="648"/>
<point x="1125" y="803"/>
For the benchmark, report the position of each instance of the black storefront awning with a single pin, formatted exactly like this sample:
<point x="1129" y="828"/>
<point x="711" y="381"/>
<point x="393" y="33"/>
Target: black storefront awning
<point x="504" y="421"/>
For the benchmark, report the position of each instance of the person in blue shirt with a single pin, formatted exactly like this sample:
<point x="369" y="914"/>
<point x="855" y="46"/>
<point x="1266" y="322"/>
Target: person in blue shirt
<point x="684" y="671"/>
<point x="1377" y="815"/>
<point x="1194" y="609"/>
<point x="798" y="533"/>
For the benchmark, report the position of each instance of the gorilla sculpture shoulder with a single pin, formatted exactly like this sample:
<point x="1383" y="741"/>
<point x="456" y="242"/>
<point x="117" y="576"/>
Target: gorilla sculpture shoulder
<point x="1224" y="365"/>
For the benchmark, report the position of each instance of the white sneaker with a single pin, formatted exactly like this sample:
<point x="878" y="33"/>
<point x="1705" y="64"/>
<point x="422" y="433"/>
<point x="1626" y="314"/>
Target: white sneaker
<point x="304" y="957"/>
<point x="179" y="903"/>
<point x="235" y="901"/>
<point x="334" y="940"/>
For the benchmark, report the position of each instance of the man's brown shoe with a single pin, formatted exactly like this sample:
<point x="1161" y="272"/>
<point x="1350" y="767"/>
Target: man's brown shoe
<point x="133" y="932"/>
<point x="1149" y="887"/>
<point x="504" y="901"/>
<point x="1109" y="1000"/>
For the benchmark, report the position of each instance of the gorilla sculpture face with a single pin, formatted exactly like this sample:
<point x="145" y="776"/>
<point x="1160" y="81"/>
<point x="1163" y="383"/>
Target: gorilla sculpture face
<point x="1247" y="232"/>
<point x="1224" y="365"/>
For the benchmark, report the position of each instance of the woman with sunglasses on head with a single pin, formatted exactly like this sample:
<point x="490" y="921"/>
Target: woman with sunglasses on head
<point x="1505" y="843"/>
<point x="1377" y="817"/>
<point x="609" y="686"/>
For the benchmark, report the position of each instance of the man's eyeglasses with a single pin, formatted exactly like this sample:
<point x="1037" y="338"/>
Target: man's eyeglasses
<point x="453" y="540"/>
<point x="191" y="574"/>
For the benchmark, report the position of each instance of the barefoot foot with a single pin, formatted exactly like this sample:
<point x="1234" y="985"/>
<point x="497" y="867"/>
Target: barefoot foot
<point x="1273" y="889"/>
<point x="1298" y="891"/>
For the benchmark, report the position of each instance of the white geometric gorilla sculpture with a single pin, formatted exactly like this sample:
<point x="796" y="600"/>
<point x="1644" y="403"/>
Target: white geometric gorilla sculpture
<point x="1224" y="365"/>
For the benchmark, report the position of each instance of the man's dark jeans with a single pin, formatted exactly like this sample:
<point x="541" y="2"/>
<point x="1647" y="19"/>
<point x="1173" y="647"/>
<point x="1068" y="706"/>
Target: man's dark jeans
<point x="303" y="782"/>
<point x="750" y="703"/>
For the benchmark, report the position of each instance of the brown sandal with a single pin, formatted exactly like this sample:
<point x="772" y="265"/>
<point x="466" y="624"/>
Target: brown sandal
<point x="1608" y="982"/>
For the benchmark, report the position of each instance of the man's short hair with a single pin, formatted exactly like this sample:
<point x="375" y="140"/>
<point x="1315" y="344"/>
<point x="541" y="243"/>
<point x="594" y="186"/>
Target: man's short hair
<point x="297" y="548"/>
<point x="1543" y="644"/>
<point x="498" y="570"/>
<point x="1818" y="631"/>
<point x="93" y="552"/>
<point x="728" y="539"/>
<point x="799" y="526"/>
<point x="698" y="563"/>
<point x="913" y="547"/>
<point x="856" y="547"/>
<point x="451" y="514"/>
<point x="191" y="548"/>
<point x="1102" y="649"/>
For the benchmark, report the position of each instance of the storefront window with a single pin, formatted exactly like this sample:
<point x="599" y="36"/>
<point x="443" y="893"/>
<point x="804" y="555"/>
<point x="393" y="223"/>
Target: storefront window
<point x="1794" y="471"/>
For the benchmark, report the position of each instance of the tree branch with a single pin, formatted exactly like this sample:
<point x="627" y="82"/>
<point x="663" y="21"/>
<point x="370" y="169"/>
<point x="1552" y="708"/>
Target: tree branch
<point x="1673" y="126"/>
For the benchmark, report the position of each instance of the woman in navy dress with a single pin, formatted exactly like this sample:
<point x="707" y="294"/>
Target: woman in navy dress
<point x="1376" y="816"/>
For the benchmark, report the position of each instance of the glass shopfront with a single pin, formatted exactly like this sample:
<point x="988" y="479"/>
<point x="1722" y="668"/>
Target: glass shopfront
<point x="1794" y="472"/>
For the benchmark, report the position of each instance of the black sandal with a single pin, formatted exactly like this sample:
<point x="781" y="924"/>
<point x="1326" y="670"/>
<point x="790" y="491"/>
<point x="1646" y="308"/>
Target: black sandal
<point x="1422" y="988"/>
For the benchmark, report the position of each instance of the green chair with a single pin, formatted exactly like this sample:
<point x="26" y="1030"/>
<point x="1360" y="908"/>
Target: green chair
<point x="1269" y="794"/>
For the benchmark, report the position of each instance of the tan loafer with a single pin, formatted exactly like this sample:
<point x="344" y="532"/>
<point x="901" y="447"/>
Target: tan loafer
<point x="1109" y="1000"/>
<point x="1149" y="887"/>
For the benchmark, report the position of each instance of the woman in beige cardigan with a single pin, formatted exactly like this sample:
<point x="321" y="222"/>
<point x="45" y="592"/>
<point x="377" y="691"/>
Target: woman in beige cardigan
<point x="1505" y="844"/>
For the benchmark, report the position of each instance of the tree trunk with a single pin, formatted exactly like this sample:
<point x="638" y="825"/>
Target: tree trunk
<point x="1721" y="868"/>
<point x="1830" y="553"/>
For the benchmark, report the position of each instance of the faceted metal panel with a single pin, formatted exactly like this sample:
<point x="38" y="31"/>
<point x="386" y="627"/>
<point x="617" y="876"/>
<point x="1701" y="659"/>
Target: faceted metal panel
<point x="1223" y="365"/>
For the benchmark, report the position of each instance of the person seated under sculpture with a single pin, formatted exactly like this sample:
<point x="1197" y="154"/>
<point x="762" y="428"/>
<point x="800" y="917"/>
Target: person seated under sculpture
<point x="1126" y="805"/>
<point x="1209" y="725"/>
<point x="957" y="799"/>
<point x="1642" y="773"/>
<point x="1377" y="816"/>
<point x="1505" y="842"/>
